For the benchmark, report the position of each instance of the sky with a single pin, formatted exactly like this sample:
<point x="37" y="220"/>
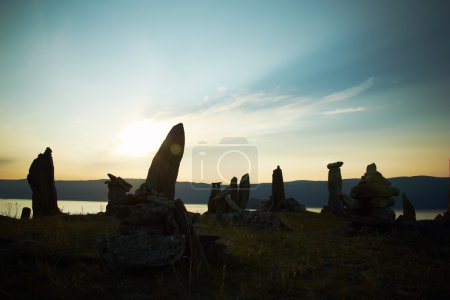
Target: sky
<point x="298" y="84"/>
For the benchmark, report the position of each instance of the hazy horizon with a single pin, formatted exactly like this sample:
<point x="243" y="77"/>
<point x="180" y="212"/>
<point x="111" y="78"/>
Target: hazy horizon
<point x="305" y="82"/>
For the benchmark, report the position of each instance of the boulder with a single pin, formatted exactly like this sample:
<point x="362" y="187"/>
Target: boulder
<point x="335" y="203"/>
<point x="163" y="171"/>
<point x="42" y="182"/>
<point x="244" y="191"/>
<point x="292" y="205"/>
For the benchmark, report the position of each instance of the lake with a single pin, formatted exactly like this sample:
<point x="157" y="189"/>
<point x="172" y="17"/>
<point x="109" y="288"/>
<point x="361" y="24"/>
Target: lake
<point x="13" y="208"/>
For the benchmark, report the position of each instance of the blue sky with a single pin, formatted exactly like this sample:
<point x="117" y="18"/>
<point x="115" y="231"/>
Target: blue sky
<point x="306" y="82"/>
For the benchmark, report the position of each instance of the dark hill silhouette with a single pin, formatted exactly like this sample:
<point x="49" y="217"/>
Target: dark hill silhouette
<point x="423" y="191"/>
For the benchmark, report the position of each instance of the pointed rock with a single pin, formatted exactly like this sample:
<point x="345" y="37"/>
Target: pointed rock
<point x="42" y="182"/>
<point x="163" y="171"/>
<point x="244" y="191"/>
<point x="409" y="213"/>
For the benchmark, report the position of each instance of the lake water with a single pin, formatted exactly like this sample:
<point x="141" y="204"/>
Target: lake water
<point x="13" y="208"/>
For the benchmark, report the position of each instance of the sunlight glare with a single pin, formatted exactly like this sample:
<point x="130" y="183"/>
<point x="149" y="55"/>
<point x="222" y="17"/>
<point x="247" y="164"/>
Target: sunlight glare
<point x="141" y="137"/>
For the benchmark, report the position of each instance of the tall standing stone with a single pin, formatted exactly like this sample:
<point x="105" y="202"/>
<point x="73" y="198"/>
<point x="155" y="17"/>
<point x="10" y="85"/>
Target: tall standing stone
<point x="41" y="178"/>
<point x="277" y="189"/>
<point x="234" y="190"/>
<point x="163" y="171"/>
<point x="335" y="203"/>
<point x="244" y="190"/>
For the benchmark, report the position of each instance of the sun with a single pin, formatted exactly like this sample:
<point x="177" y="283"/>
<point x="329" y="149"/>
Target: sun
<point x="141" y="137"/>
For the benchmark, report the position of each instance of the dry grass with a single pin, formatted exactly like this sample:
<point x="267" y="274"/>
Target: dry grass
<point x="58" y="257"/>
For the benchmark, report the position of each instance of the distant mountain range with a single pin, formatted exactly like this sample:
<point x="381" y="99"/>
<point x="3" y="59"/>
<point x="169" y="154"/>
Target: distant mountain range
<point x="424" y="192"/>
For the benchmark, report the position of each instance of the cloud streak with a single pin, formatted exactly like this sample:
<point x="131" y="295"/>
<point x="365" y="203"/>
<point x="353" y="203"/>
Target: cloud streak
<point x="342" y="111"/>
<point x="348" y="93"/>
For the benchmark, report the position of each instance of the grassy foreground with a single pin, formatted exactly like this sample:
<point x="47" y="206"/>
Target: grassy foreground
<point x="57" y="257"/>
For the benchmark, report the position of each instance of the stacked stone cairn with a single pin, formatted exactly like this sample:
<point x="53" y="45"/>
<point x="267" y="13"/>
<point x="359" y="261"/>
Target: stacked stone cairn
<point x="277" y="201"/>
<point x="373" y="196"/>
<point x="155" y="229"/>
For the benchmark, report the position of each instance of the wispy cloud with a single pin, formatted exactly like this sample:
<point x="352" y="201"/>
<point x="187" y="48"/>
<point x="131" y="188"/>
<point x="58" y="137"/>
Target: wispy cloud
<point x="348" y="93"/>
<point x="342" y="111"/>
<point x="260" y="113"/>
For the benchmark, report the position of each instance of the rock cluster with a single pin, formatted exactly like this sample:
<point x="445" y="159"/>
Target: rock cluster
<point x="231" y="199"/>
<point x="373" y="196"/>
<point x="277" y="201"/>
<point x="42" y="182"/>
<point x="155" y="229"/>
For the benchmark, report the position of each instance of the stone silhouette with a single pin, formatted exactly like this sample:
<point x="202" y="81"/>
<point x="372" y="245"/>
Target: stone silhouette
<point x="117" y="191"/>
<point x="335" y="203"/>
<point x="373" y="194"/>
<point x="277" y="189"/>
<point x="244" y="191"/>
<point x="409" y="213"/>
<point x="234" y="194"/>
<point x="42" y="182"/>
<point x="26" y="213"/>
<point x="155" y="229"/>
<point x="215" y="190"/>
<point x="163" y="171"/>
<point x="277" y="201"/>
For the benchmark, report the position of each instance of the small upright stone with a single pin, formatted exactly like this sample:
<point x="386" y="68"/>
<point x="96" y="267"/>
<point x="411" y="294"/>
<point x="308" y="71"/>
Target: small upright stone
<point x="26" y="213"/>
<point x="244" y="191"/>
<point x="277" y="189"/>
<point x="215" y="190"/>
<point x="163" y="171"/>
<point x="41" y="178"/>
<point x="335" y="203"/>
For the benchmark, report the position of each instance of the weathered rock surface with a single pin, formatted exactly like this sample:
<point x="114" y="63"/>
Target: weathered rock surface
<point x="335" y="203"/>
<point x="163" y="171"/>
<point x="141" y="249"/>
<point x="253" y="218"/>
<point x="42" y="182"/>
<point x="244" y="191"/>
